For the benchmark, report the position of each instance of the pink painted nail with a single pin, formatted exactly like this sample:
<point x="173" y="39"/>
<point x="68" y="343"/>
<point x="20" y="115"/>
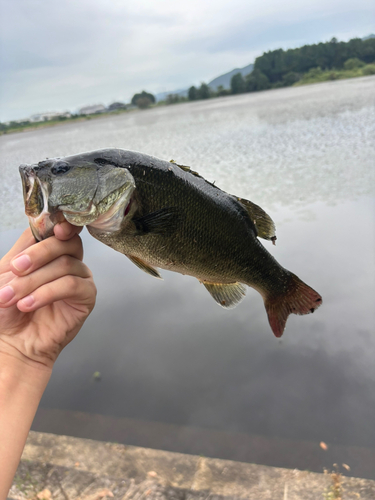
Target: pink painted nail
<point x="22" y="263"/>
<point x="28" y="301"/>
<point x="6" y="294"/>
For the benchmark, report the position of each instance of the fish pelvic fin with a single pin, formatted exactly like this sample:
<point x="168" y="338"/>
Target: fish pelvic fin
<point x="264" y="224"/>
<point x="144" y="266"/>
<point x="227" y="295"/>
<point x="299" y="299"/>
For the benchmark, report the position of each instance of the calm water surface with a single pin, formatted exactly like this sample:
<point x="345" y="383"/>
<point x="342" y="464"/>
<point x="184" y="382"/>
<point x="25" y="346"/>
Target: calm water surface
<point x="180" y="373"/>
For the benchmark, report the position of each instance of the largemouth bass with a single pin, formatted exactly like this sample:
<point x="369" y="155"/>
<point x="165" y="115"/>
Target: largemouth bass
<point x="164" y="215"/>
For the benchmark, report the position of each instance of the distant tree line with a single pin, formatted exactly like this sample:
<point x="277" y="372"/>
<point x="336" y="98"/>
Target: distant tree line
<point x="277" y="68"/>
<point x="307" y="64"/>
<point x="277" y="64"/>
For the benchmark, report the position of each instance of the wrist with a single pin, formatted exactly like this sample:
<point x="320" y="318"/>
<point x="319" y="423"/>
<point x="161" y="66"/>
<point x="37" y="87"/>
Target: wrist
<point x="10" y="354"/>
<point x="21" y="388"/>
<point x="18" y="371"/>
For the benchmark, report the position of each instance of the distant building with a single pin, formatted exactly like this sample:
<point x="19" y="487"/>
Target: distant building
<point x="115" y="106"/>
<point x="91" y="110"/>
<point x="22" y="120"/>
<point x="45" y="117"/>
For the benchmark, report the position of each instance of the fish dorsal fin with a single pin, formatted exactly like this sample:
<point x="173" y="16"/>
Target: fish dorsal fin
<point x="226" y="294"/>
<point x="145" y="267"/>
<point x="185" y="168"/>
<point x="263" y="222"/>
<point x="164" y="221"/>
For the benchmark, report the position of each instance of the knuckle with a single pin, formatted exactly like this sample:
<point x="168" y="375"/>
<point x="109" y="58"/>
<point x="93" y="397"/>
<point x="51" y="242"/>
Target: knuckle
<point x="65" y="262"/>
<point x="27" y="282"/>
<point x="23" y="285"/>
<point x="71" y="282"/>
<point x="86" y="271"/>
<point x="94" y="290"/>
<point x="76" y="246"/>
<point x="76" y="240"/>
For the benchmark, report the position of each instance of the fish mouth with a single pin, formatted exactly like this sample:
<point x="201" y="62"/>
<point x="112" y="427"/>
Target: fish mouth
<point x="32" y="192"/>
<point x="35" y="195"/>
<point x="103" y="215"/>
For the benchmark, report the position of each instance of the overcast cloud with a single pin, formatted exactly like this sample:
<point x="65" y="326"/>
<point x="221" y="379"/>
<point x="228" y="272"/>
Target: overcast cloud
<point x="61" y="55"/>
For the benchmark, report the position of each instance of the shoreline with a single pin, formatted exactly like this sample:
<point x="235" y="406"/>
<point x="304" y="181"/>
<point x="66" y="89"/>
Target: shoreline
<point x="57" y="123"/>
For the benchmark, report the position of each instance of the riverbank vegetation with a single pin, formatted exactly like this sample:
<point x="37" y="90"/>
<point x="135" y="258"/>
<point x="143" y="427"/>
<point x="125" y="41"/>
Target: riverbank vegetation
<point x="305" y="65"/>
<point x="320" y="62"/>
<point x="22" y="125"/>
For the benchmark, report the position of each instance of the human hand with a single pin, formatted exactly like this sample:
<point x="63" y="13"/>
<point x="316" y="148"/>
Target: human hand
<point x="46" y="293"/>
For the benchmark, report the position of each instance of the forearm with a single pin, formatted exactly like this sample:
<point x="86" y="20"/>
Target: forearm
<point x="21" y="388"/>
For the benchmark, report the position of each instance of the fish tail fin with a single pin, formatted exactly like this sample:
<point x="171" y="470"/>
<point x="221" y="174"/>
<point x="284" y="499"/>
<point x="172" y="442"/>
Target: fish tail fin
<point x="299" y="299"/>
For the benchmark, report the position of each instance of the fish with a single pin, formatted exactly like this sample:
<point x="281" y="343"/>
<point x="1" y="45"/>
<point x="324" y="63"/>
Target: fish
<point x="163" y="215"/>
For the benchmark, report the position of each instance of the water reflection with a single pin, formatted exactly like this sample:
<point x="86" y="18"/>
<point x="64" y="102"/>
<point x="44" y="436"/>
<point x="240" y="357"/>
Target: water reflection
<point x="167" y="353"/>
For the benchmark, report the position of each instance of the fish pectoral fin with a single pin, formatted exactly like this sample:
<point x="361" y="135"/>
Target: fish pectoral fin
<point x="145" y="267"/>
<point x="226" y="294"/>
<point x="164" y="221"/>
<point x="263" y="222"/>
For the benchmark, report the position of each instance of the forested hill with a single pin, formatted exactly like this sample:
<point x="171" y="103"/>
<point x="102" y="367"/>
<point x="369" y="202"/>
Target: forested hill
<point x="224" y="80"/>
<point x="276" y="64"/>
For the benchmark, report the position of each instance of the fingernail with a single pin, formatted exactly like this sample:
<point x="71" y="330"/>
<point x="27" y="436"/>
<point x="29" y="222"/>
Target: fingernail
<point x="22" y="263"/>
<point x="6" y="294"/>
<point x="28" y="301"/>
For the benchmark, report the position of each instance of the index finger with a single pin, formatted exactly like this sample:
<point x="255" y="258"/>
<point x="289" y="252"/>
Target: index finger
<point x="44" y="252"/>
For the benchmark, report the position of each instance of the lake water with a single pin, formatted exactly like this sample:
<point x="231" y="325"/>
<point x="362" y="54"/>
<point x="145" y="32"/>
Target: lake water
<point x="177" y="371"/>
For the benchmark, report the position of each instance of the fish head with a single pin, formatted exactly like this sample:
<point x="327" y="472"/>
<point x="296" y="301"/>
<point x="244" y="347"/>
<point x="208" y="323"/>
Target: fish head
<point x="75" y="189"/>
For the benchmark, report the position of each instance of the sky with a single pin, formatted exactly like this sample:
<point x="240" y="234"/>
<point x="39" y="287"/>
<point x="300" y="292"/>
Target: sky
<point x="58" y="55"/>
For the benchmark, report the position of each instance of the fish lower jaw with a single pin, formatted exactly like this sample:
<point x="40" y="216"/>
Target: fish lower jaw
<point x="42" y="225"/>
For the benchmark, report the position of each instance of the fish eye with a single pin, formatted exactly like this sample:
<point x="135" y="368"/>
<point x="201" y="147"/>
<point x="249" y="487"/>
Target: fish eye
<point x="60" y="168"/>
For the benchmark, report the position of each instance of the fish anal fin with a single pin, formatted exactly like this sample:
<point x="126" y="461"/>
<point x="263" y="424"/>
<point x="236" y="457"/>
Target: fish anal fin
<point x="226" y="294"/>
<point x="163" y="222"/>
<point x="263" y="222"/>
<point x="144" y="266"/>
<point x="299" y="299"/>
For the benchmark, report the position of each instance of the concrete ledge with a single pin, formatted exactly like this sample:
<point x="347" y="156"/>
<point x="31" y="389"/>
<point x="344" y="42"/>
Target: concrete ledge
<point x="232" y="445"/>
<point x="73" y="468"/>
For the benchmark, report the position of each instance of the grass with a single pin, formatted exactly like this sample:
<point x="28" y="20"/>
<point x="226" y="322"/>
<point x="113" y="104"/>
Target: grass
<point x="316" y="75"/>
<point x="335" y="491"/>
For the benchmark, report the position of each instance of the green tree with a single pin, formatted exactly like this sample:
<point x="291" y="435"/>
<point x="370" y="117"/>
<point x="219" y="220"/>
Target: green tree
<point x="174" y="99"/>
<point x="353" y="63"/>
<point x="204" y="91"/>
<point x="369" y="69"/>
<point x="193" y="93"/>
<point x="256" y="81"/>
<point x="143" y="100"/>
<point x="314" y="72"/>
<point x="237" y="84"/>
<point x="221" y="91"/>
<point x="331" y="55"/>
